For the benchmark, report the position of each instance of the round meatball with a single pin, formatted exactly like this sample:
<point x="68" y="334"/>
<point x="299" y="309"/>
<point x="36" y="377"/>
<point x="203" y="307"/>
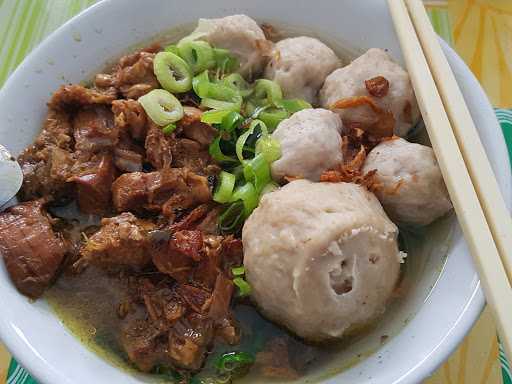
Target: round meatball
<point x="310" y="144"/>
<point x="322" y="258"/>
<point x="300" y="65"/>
<point x="241" y="35"/>
<point x="377" y="76"/>
<point x="412" y="187"/>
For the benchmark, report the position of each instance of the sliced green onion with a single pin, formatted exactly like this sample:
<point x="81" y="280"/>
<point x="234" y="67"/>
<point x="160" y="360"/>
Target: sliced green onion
<point x="200" y="84"/>
<point x="198" y="55"/>
<point x="225" y="61"/>
<point x="235" y="363"/>
<point x="269" y="147"/>
<point x="169" y="128"/>
<point x="249" y="196"/>
<point x="225" y="186"/>
<point x="161" y="106"/>
<point x="238" y="271"/>
<point x="270" y="187"/>
<point x="219" y="96"/>
<point x="232" y="219"/>
<point x="292" y="105"/>
<point x="214" y="116"/>
<point x="231" y="121"/>
<point x="236" y="81"/>
<point x="272" y="117"/>
<point x="266" y="92"/>
<point x="172" y="72"/>
<point x="257" y="171"/>
<point x="240" y="143"/>
<point x="171" y="48"/>
<point x="244" y="289"/>
<point x="216" y="152"/>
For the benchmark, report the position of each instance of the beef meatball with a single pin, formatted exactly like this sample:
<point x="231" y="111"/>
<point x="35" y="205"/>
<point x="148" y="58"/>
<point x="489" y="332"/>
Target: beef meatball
<point x="241" y="35"/>
<point x="310" y="144"/>
<point x="322" y="258"/>
<point x="378" y="77"/>
<point x="412" y="187"/>
<point x="300" y="65"/>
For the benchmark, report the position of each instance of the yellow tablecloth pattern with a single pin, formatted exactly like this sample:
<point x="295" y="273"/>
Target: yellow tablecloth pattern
<point x="480" y="31"/>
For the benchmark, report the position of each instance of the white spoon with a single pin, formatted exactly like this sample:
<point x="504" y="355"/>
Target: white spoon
<point x="11" y="176"/>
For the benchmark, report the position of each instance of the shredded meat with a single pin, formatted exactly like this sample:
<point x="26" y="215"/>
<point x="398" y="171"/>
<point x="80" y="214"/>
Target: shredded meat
<point x="274" y="361"/>
<point x="385" y="122"/>
<point x="377" y="86"/>
<point x="194" y="129"/>
<point x="32" y="251"/>
<point x="158" y="147"/>
<point x="121" y="241"/>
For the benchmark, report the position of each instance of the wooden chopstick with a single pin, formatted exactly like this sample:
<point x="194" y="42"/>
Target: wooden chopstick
<point x="460" y="186"/>
<point x="496" y="212"/>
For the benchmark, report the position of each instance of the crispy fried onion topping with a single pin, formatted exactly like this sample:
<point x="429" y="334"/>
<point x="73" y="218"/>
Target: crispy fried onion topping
<point x="385" y="122"/>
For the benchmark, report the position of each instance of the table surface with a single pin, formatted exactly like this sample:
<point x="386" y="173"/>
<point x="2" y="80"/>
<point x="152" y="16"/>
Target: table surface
<point x="479" y="30"/>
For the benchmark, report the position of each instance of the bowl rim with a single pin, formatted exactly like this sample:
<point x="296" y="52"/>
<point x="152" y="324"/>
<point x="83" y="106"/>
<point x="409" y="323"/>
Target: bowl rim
<point x="21" y="349"/>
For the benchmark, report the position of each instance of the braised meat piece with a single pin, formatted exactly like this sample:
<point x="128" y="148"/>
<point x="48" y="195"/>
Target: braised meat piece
<point x="94" y="130"/>
<point x="159" y="147"/>
<point x="178" y="256"/>
<point x="32" y="251"/>
<point x="133" y="76"/>
<point x="94" y="181"/>
<point x="73" y="96"/>
<point x="47" y="163"/>
<point x="167" y="190"/>
<point x="194" y="129"/>
<point x="142" y="342"/>
<point x="127" y="160"/>
<point x="129" y="116"/>
<point x="121" y="241"/>
<point x="190" y="154"/>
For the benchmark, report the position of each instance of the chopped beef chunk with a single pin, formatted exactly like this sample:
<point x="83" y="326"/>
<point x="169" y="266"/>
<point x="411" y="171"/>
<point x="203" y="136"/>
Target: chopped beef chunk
<point x="221" y="298"/>
<point x="130" y="117"/>
<point x="47" y="163"/>
<point x="188" y="255"/>
<point x="127" y="160"/>
<point x="194" y="129"/>
<point x="94" y="181"/>
<point x="134" y="76"/>
<point x="121" y="241"/>
<point x="210" y="223"/>
<point x="159" y="147"/>
<point x="189" y="340"/>
<point x="94" y="130"/>
<point x="32" y="251"/>
<point x="177" y="257"/>
<point x="190" y="154"/>
<point x="73" y="96"/>
<point x="140" y="339"/>
<point x="167" y="190"/>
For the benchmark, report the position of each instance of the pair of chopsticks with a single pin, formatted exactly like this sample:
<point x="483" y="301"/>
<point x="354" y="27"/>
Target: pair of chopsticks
<point x="481" y="210"/>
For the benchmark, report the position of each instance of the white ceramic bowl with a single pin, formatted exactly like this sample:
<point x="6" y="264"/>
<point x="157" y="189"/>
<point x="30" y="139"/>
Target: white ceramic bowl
<point x="441" y="305"/>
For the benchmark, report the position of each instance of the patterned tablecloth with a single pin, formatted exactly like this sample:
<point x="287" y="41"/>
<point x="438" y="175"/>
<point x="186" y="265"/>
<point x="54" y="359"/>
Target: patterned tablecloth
<point x="480" y="31"/>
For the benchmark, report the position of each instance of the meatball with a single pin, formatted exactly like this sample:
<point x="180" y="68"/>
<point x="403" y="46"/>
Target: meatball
<point x="412" y="187"/>
<point x="300" y="65"/>
<point x="310" y="144"/>
<point x="241" y="35"/>
<point x="377" y="76"/>
<point x="322" y="258"/>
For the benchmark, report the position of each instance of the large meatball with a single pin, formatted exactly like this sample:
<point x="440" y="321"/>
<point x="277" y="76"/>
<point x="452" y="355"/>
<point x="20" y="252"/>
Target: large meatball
<point x="412" y="187"/>
<point x="241" y="35"/>
<point x="310" y="144"/>
<point x="300" y="65"/>
<point x="322" y="258"/>
<point x="371" y="67"/>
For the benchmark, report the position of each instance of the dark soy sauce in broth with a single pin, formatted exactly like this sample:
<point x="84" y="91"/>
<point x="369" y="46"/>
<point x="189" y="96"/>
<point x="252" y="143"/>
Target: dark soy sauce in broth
<point x="87" y="303"/>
